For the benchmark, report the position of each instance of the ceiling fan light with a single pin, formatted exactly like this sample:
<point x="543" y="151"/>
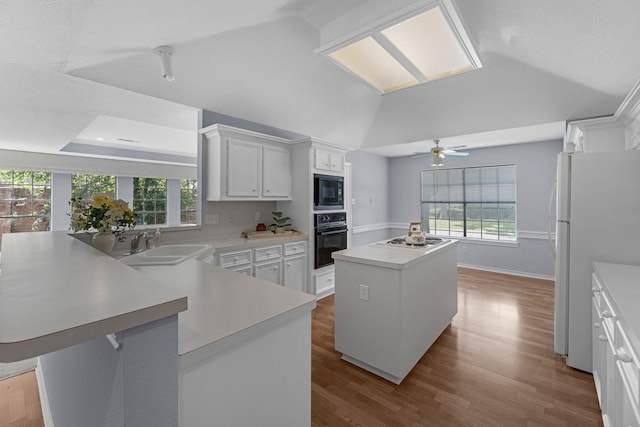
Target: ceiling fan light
<point x="437" y="161"/>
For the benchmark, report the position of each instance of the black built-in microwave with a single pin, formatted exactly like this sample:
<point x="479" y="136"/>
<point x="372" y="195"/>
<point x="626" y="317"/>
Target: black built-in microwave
<point x="328" y="192"/>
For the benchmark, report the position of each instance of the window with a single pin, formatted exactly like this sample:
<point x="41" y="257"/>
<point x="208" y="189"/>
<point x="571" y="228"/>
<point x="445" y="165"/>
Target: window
<point x="87" y="186"/>
<point x="25" y="201"/>
<point x="188" y="201"/>
<point x="150" y="200"/>
<point x="475" y="202"/>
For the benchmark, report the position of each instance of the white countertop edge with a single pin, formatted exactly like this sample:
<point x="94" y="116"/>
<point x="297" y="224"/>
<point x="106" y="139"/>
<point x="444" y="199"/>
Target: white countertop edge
<point x="196" y="355"/>
<point x="413" y="258"/>
<point x="37" y="346"/>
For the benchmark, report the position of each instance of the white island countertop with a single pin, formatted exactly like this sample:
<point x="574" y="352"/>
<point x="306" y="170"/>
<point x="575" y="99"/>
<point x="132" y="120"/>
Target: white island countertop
<point x="56" y="291"/>
<point x="389" y="257"/>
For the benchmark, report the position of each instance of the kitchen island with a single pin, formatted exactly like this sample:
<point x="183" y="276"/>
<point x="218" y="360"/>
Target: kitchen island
<point x="392" y="303"/>
<point x="239" y="355"/>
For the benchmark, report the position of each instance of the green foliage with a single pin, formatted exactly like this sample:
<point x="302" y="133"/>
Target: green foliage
<point x="280" y="220"/>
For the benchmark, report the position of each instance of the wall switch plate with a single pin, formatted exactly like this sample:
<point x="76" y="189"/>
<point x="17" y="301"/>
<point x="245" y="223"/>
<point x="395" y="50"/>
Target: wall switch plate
<point x="364" y="292"/>
<point x="256" y="216"/>
<point x="211" y="219"/>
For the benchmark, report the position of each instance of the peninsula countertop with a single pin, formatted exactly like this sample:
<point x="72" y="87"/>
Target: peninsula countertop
<point x="389" y="257"/>
<point x="56" y="291"/>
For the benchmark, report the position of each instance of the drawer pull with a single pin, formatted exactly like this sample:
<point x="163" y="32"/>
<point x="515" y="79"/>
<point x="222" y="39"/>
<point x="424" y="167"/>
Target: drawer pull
<point x="236" y="259"/>
<point x="596" y="290"/>
<point x="602" y="338"/>
<point x="607" y="314"/>
<point x="623" y="356"/>
<point x="597" y="325"/>
<point x="288" y="265"/>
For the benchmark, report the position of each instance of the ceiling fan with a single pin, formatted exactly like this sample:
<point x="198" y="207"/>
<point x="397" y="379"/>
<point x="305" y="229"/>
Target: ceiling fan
<point x="438" y="153"/>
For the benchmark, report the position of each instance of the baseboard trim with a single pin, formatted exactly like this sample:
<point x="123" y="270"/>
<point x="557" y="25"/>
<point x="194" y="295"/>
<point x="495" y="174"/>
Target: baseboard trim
<point x="509" y="272"/>
<point x="325" y="293"/>
<point x="44" y="400"/>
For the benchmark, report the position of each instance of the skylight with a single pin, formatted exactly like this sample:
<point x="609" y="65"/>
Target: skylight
<point x="425" y="45"/>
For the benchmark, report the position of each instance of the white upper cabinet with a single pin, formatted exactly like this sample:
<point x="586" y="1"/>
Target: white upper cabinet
<point x="243" y="168"/>
<point x="276" y="172"/>
<point x="245" y="165"/>
<point x="328" y="161"/>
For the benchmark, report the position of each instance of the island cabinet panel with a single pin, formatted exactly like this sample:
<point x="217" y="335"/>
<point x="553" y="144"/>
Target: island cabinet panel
<point x="386" y="318"/>
<point x="261" y="381"/>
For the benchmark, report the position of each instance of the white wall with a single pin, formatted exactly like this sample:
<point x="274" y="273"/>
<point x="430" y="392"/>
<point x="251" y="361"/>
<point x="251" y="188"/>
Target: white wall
<point x="370" y="190"/>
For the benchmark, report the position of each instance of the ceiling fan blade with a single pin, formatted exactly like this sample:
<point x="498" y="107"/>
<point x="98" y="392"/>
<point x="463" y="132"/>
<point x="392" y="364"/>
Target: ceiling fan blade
<point x="415" y="155"/>
<point x="456" y="153"/>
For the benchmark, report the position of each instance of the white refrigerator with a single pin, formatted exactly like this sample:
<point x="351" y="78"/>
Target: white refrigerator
<point x="598" y="219"/>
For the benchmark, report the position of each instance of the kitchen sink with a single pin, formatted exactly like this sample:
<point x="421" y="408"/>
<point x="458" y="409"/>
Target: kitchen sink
<point x="164" y="255"/>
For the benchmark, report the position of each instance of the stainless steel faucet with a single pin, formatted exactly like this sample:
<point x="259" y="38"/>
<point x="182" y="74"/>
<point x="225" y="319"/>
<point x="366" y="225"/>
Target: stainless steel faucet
<point x="135" y="240"/>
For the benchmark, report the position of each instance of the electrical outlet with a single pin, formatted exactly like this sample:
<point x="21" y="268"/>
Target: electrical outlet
<point x="364" y="292"/>
<point x="230" y="217"/>
<point x="256" y="216"/>
<point x="212" y="219"/>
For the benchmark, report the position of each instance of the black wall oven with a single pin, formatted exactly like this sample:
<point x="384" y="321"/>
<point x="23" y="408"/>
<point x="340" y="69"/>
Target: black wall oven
<point x="331" y="236"/>
<point x="328" y="192"/>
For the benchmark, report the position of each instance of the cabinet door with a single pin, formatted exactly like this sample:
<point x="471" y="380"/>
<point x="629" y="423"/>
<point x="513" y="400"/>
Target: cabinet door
<point x="270" y="271"/>
<point x="599" y="345"/>
<point x="244" y="169"/>
<point x="337" y="162"/>
<point x="295" y="273"/>
<point x="322" y="160"/>
<point x="276" y="176"/>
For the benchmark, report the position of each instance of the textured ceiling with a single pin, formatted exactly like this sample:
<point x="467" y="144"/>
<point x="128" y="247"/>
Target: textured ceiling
<point x="66" y="63"/>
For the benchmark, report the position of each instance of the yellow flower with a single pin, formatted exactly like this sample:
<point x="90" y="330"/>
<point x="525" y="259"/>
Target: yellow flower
<point x="101" y="200"/>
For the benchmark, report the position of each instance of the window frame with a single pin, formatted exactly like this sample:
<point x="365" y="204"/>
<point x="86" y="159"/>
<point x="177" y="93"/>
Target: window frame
<point x="507" y="228"/>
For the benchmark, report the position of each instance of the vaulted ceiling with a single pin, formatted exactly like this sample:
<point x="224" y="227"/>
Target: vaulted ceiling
<point x="70" y="65"/>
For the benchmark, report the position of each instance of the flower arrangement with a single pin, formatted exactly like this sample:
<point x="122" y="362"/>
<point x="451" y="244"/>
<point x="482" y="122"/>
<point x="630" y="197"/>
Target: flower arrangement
<point x="103" y="214"/>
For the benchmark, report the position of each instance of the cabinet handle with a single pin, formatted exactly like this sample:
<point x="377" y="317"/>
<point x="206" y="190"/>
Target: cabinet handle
<point x="607" y="314"/>
<point x="596" y="290"/>
<point x="602" y="338"/>
<point x="275" y="267"/>
<point x="596" y="325"/>
<point x="624" y="357"/>
<point x="288" y="265"/>
<point x="254" y="190"/>
<point x="236" y="259"/>
<point x="268" y="190"/>
<point x="330" y="280"/>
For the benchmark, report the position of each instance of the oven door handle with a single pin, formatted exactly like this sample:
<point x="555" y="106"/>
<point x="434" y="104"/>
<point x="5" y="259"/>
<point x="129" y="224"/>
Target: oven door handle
<point x="326" y="233"/>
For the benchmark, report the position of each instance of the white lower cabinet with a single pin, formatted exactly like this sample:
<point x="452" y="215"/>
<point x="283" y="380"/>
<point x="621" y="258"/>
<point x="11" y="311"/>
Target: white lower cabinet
<point x="616" y="366"/>
<point x="295" y="273"/>
<point x="284" y="264"/>
<point x="270" y="271"/>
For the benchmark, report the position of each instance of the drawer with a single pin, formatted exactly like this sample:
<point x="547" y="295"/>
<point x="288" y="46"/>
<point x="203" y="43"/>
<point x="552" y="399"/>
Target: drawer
<point x="243" y="269"/>
<point x="596" y="288"/>
<point x="295" y="248"/>
<point x="607" y="313"/>
<point x="324" y="281"/>
<point x="267" y="253"/>
<point x="628" y="363"/>
<point x="232" y="259"/>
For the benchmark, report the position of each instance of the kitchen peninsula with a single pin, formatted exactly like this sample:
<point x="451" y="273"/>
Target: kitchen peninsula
<point x="392" y="303"/>
<point x="237" y="355"/>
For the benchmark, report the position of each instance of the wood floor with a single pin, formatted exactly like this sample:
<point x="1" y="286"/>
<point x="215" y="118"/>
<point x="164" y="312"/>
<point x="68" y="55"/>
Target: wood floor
<point x="20" y="402"/>
<point x="494" y="366"/>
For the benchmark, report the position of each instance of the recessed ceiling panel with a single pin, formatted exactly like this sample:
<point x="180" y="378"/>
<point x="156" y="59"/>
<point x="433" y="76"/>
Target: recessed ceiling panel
<point x="428" y="41"/>
<point x="367" y="59"/>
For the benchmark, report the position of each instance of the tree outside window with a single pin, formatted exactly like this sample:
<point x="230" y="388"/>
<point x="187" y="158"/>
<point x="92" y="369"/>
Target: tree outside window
<point x="25" y="201"/>
<point x="150" y="200"/>
<point x="188" y="201"/>
<point x="88" y="185"/>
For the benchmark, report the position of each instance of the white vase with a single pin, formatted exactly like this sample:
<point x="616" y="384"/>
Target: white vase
<point x="103" y="241"/>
